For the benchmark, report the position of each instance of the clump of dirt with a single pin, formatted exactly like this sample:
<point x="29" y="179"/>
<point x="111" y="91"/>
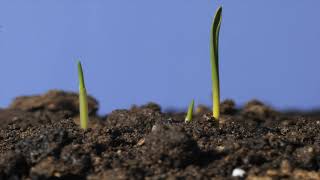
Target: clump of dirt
<point x="40" y="139"/>
<point x="169" y="146"/>
<point x="53" y="101"/>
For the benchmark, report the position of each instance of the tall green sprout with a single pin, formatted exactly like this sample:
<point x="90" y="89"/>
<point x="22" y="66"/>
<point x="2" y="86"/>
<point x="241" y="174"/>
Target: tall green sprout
<point x="83" y="102"/>
<point x="190" y="112"/>
<point x="214" y="57"/>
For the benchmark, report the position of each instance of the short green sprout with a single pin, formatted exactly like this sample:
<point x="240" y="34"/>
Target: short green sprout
<point x="214" y="57"/>
<point x="83" y="102"/>
<point x="190" y="112"/>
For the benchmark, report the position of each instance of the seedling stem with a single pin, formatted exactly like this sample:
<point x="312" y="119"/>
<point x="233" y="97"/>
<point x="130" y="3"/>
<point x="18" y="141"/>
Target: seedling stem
<point x="190" y="112"/>
<point x="83" y="102"/>
<point x="214" y="57"/>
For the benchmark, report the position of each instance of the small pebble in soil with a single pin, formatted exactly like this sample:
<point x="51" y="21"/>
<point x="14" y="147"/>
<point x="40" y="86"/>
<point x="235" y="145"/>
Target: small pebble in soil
<point x="154" y="127"/>
<point x="237" y="172"/>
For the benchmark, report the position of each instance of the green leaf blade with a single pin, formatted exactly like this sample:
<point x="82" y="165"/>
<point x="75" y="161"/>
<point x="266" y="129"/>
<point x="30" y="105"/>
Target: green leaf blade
<point x="190" y="112"/>
<point x="83" y="102"/>
<point x="214" y="59"/>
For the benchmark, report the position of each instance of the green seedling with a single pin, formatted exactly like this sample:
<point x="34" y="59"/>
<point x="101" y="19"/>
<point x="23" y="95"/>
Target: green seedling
<point x="214" y="57"/>
<point x="190" y="112"/>
<point x="83" y="102"/>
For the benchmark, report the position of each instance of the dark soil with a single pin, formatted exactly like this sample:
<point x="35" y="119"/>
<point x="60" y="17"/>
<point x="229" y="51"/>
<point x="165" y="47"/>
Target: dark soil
<point x="40" y="139"/>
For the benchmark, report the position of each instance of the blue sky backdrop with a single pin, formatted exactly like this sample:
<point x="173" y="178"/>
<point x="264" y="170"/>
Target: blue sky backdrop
<point x="136" y="51"/>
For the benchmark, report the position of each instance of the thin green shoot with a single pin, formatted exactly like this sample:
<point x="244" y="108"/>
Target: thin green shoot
<point x="214" y="57"/>
<point x="190" y="112"/>
<point x="83" y="102"/>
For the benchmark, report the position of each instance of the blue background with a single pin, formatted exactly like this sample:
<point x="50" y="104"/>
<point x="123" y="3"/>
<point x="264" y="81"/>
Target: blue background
<point x="136" y="51"/>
